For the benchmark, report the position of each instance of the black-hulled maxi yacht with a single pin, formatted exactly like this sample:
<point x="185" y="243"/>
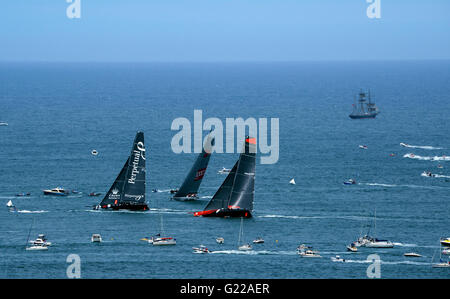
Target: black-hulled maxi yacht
<point x="189" y="188"/>
<point x="235" y="196"/>
<point x="128" y="190"/>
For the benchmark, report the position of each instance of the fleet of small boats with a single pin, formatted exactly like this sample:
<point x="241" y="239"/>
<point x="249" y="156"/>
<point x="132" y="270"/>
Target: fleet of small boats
<point x="234" y="198"/>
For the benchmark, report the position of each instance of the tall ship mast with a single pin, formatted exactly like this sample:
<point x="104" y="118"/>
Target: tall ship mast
<point x="234" y="198"/>
<point x="364" y="108"/>
<point x="128" y="190"/>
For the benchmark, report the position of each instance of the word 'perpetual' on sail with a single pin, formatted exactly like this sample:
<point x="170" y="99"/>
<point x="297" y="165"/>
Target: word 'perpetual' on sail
<point x="128" y="190"/>
<point x="189" y="189"/>
<point x="364" y="109"/>
<point x="235" y="196"/>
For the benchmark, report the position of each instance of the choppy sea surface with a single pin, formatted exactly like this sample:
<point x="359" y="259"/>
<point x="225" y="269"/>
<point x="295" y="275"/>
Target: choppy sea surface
<point x="58" y="113"/>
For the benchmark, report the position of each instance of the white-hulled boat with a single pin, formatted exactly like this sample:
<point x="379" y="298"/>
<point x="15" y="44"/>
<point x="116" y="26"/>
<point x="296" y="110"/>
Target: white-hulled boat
<point x="363" y="147"/>
<point x="220" y="240"/>
<point x="412" y="254"/>
<point x="96" y="238"/>
<point x="376" y="243"/>
<point x="164" y="241"/>
<point x="307" y="251"/>
<point x="2" y="123"/>
<point x="372" y="242"/>
<point x="201" y="249"/>
<point x="37" y="247"/>
<point x="350" y="182"/>
<point x="56" y="191"/>
<point x="243" y="247"/>
<point x="39" y="244"/>
<point x="224" y="171"/>
<point x="446" y="251"/>
<point x="258" y="240"/>
<point x="441" y="264"/>
<point x="352" y="247"/>
<point x="337" y="258"/>
<point x="292" y="182"/>
<point x="41" y="240"/>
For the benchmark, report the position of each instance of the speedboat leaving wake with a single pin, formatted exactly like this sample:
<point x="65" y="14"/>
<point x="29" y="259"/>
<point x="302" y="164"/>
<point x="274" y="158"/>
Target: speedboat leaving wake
<point x="427" y="158"/>
<point x="426" y="147"/>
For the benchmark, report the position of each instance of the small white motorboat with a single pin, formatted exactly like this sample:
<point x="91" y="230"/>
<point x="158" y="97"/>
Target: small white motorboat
<point x="350" y="182"/>
<point x="224" y="170"/>
<point x="245" y="247"/>
<point x="363" y="147"/>
<point x="2" y="123"/>
<point x="96" y="238"/>
<point x="41" y="240"/>
<point x="412" y="254"/>
<point x="94" y="152"/>
<point x="292" y="182"/>
<point x="337" y="259"/>
<point x="220" y="240"/>
<point x="164" y="241"/>
<point x="258" y="240"/>
<point x="427" y="174"/>
<point x="309" y="253"/>
<point x="37" y="247"/>
<point x="56" y="191"/>
<point x="201" y="249"/>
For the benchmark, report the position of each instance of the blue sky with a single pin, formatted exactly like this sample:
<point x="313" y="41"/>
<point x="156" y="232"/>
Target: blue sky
<point x="223" y="30"/>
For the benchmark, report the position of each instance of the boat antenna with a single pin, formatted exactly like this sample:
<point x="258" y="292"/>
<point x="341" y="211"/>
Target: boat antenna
<point x="29" y="232"/>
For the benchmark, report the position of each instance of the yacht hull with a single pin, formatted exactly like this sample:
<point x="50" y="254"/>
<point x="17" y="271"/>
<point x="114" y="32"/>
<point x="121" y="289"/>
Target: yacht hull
<point x="225" y="213"/>
<point x="129" y="207"/>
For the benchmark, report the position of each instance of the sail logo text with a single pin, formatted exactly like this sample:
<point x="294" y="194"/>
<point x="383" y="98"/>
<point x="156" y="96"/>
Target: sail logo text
<point x="135" y="170"/>
<point x="182" y="140"/>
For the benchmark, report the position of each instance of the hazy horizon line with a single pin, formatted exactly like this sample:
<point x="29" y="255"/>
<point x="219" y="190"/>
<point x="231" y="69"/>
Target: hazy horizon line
<point x="229" y="61"/>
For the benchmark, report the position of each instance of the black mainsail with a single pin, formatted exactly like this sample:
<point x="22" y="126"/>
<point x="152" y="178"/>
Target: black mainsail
<point x="128" y="190"/>
<point x="189" y="188"/>
<point x="235" y="196"/>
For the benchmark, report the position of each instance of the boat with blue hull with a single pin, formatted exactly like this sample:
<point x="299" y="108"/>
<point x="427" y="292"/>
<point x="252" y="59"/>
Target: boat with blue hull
<point x="364" y="108"/>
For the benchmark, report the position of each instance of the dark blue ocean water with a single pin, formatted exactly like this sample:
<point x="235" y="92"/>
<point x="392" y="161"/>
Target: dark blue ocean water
<point x="58" y="113"/>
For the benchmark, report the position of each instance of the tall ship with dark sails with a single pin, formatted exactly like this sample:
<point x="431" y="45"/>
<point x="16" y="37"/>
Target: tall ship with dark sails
<point x="364" y="108"/>
<point x="189" y="188"/>
<point x="235" y="196"/>
<point x="128" y="190"/>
